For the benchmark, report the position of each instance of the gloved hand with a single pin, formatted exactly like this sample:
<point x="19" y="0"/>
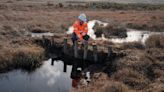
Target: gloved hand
<point x="86" y="37"/>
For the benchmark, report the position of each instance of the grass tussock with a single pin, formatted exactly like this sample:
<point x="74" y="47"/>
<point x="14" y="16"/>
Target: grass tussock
<point x="132" y="78"/>
<point x="140" y="70"/>
<point x="111" y="31"/>
<point x="24" y="57"/>
<point x="155" y="87"/>
<point x="132" y="45"/>
<point x="101" y="83"/>
<point x="112" y="86"/>
<point x="155" y="41"/>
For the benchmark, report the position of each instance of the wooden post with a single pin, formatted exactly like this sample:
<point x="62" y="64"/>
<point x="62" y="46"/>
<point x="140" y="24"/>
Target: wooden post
<point x="85" y="51"/>
<point x="109" y="51"/>
<point x="43" y="41"/>
<point x="95" y="52"/>
<point x="52" y="41"/>
<point x="65" y="67"/>
<point x="75" y="49"/>
<point x="52" y="61"/>
<point x="65" y="46"/>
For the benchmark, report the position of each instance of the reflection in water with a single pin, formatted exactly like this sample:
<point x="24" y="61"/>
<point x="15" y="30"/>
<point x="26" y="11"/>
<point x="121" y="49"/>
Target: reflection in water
<point x="52" y="76"/>
<point x="76" y="71"/>
<point x="46" y="78"/>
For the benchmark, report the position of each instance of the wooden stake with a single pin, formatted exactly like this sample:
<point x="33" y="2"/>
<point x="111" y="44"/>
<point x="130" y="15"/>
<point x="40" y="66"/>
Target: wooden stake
<point x="85" y="51"/>
<point x="75" y="49"/>
<point x="43" y="40"/>
<point x="52" y="61"/>
<point x="95" y="52"/>
<point x="52" y="41"/>
<point x="109" y="51"/>
<point x="65" y="46"/>
<point x="65" y="67"/>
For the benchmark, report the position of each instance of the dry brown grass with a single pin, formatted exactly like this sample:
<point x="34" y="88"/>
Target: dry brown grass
<point x="25" y="57"/>
<point x="131" y="78"/>
<point x="155" y="87"/>
<point x="132" y="72"/>
<point x="101" y="83"/>
<point x="131" y="45"/>
<point x="140" y="69"/>
<point x="112" y="30"/>
<point x="157" y="53"/>
<point x="155" y="41"/>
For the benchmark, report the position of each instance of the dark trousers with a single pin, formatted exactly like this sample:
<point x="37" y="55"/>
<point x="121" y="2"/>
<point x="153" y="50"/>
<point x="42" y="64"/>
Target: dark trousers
<point x="75" y="37"/>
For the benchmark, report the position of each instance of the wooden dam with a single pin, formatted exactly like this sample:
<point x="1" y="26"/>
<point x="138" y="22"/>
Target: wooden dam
<point x="65" y="50"/>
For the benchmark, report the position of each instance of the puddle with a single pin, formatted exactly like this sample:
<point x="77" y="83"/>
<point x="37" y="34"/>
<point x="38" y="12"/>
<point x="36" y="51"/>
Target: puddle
<point x="47" y="78"/>
<point x="135" y="36"/>
<point x="41" y="34"/>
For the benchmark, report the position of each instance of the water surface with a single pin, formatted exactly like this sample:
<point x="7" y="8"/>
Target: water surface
<point x="47" y="78"/>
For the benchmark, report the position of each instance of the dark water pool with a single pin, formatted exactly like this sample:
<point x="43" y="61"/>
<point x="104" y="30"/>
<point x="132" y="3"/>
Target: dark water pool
<point x="47" y="78"/>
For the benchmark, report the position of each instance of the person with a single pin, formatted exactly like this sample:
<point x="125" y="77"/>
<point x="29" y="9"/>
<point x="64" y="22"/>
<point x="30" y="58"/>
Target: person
<point x="76" y="74"/>
<point x="80" y="29"/>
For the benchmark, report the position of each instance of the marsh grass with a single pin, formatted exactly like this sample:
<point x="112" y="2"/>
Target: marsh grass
<point x="111" y="31"/>
<point x="27" y="58"/>
<point x="155" y="41"/>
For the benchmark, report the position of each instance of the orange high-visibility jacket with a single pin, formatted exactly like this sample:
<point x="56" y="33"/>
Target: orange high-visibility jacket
<point x="80" y="30"/>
